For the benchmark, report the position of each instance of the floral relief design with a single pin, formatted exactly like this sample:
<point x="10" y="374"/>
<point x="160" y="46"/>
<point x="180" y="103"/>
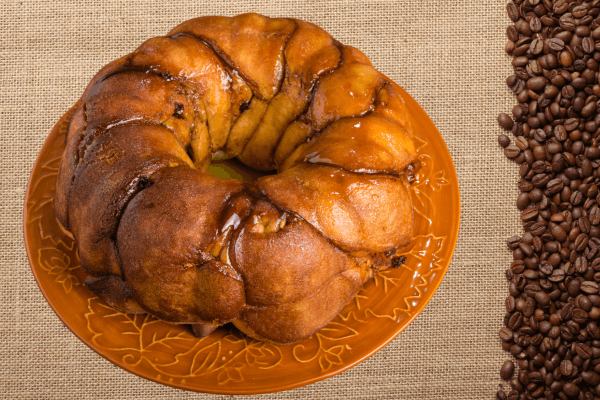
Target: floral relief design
<point x="330" y="346"/>
<point x="172" y="350"/>
<point x="174" y="355"/>
<point x="57" y="254"/>
<point x="427" y="182"/>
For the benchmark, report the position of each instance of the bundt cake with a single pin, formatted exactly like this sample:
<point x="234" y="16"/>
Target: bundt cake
<point x="278" y="257"/>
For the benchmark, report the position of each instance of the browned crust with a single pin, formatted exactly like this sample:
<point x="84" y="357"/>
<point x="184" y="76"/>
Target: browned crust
<point x="278" y="258"/>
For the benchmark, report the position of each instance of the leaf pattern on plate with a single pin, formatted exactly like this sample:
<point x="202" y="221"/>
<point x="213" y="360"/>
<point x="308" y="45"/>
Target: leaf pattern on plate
<point x="172" y="350"/>
<point x="327" y="347"/>
<point x="57" y="253"/>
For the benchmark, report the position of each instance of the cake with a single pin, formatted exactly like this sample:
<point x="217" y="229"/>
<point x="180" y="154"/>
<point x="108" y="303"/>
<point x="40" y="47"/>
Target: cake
<point x="279" y="256"/>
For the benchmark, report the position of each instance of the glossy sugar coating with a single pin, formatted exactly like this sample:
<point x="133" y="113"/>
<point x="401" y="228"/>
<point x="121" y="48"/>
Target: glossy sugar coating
<point x="278" y="257"/>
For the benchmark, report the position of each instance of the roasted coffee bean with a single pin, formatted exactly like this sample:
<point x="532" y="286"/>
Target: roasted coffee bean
<point x="512" y="33"/>
<point x="536" y="25"/>
<point x="558" y="275"/>
<point x="589" y="287"/>
<point x="559" y="233"/>
<point x="581" y="242"/>
<point x="540" y="180"/>
<point x="542" y="298"/>
<point x="565" y="58"/>
<point x="530" y="214"/>
<point x="538" y="228"/>
<point x="588" y="45"/>
<point x="555" y="185"/>
<point x="513" y="12"/>
<point x="507" y="370"/>
<point x="503" y="140"/>
<point x="513" y="242"/>
<point x="515" y="321"/>
<point x="536" y="47"/>
<point x="523" y="201"/>
<point x="506" y="334"/>
<point x="572" y="123"/>
<point x="505" y="121"/>
<point x="581" y="265"/>
<point x="571" y="389"/>
<point x="573" y="287"/>
<point x="555" y="44"/>
<point x="545" y="267"/>
<point x="594" y="215"/>
<point x="511" y="151"/>
<point x="566" y="368"/>
<point x="591" y="378"/>
<point x="537" y="83"/>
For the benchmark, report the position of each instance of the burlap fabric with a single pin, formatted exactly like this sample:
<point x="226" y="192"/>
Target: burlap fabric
<point x="448" y="54"/>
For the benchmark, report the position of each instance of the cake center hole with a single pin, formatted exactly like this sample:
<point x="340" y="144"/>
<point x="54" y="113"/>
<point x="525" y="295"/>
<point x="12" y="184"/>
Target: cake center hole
<point x="234" y="169"/>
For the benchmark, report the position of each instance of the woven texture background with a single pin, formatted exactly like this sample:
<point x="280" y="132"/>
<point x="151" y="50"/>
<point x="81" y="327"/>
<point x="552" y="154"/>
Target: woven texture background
<point x="448" y="54"/>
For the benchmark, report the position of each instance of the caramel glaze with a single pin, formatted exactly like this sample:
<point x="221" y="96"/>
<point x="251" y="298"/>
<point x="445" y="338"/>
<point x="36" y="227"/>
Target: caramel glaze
<point x="280" y="256"/>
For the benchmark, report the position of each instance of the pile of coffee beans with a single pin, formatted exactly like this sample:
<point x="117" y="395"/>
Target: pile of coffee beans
<point x="552" y="322"/>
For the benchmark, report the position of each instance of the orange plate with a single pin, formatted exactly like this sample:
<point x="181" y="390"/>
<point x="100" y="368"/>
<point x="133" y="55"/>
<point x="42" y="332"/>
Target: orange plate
<point x="227" y="362"/>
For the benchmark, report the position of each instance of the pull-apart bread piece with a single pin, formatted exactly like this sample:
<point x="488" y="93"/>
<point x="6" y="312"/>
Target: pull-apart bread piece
<point x="278" y="257"/>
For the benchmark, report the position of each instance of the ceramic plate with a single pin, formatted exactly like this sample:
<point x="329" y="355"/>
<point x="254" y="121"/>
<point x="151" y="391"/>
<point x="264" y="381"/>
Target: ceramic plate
<point x="227" y="362"/>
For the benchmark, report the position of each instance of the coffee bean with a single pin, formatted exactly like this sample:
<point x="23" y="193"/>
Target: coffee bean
<point x="581" y="242"/>
<point x="560" y="133"/>
<point x="507" y="370"/>
<point x="583" y="351"/>
<point x="542" y="298"/>
<point x="515" y="321"/>
<point x="555" y="186"/>
<point x="500" y="394"/>
<point x="589" y="109"/>
<point x="530" y="214"/>
<point x="567" y="23"/>
<point x="560" y="6"/>
<point x="540" y="180"/>
<point x="522" y="143"/>
<point x="576" y="198"/>
<point x="537" y="83"/>
<point x="525" y="185"/>
<point x="505" y="121"/>
<point x="513" y="242"/>
<point x="572" y="123"/>
<point x="520" y="61"/>
<point x="522" y="201"/>
<point x="589" y="287"/>
<point x="513" y="12"/>
<point x="591" y="378"/>
<point x="556" y="44"/>
<point x="503" y="140"/>
<point x="546" y="268"/>
<point x="593" y="153"/>
<point x="536" y="47"/>
<point x="588" y="45"/>
<point x="512" y="151"/>
<point x="536" y="25"/>
<point x="594" y="215"/>
<point x="581" y="266"/>
<point x="558" y="275"/>
<point x="512" y="33"/>
<point x="566" y="368"/>
<point x="559" y="233"/>
<point x="506" y="334"/>
<point x="571" y="389"/>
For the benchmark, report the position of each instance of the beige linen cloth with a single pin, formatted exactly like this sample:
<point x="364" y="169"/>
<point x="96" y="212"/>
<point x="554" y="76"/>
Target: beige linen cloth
<point x="448" y="54"/>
